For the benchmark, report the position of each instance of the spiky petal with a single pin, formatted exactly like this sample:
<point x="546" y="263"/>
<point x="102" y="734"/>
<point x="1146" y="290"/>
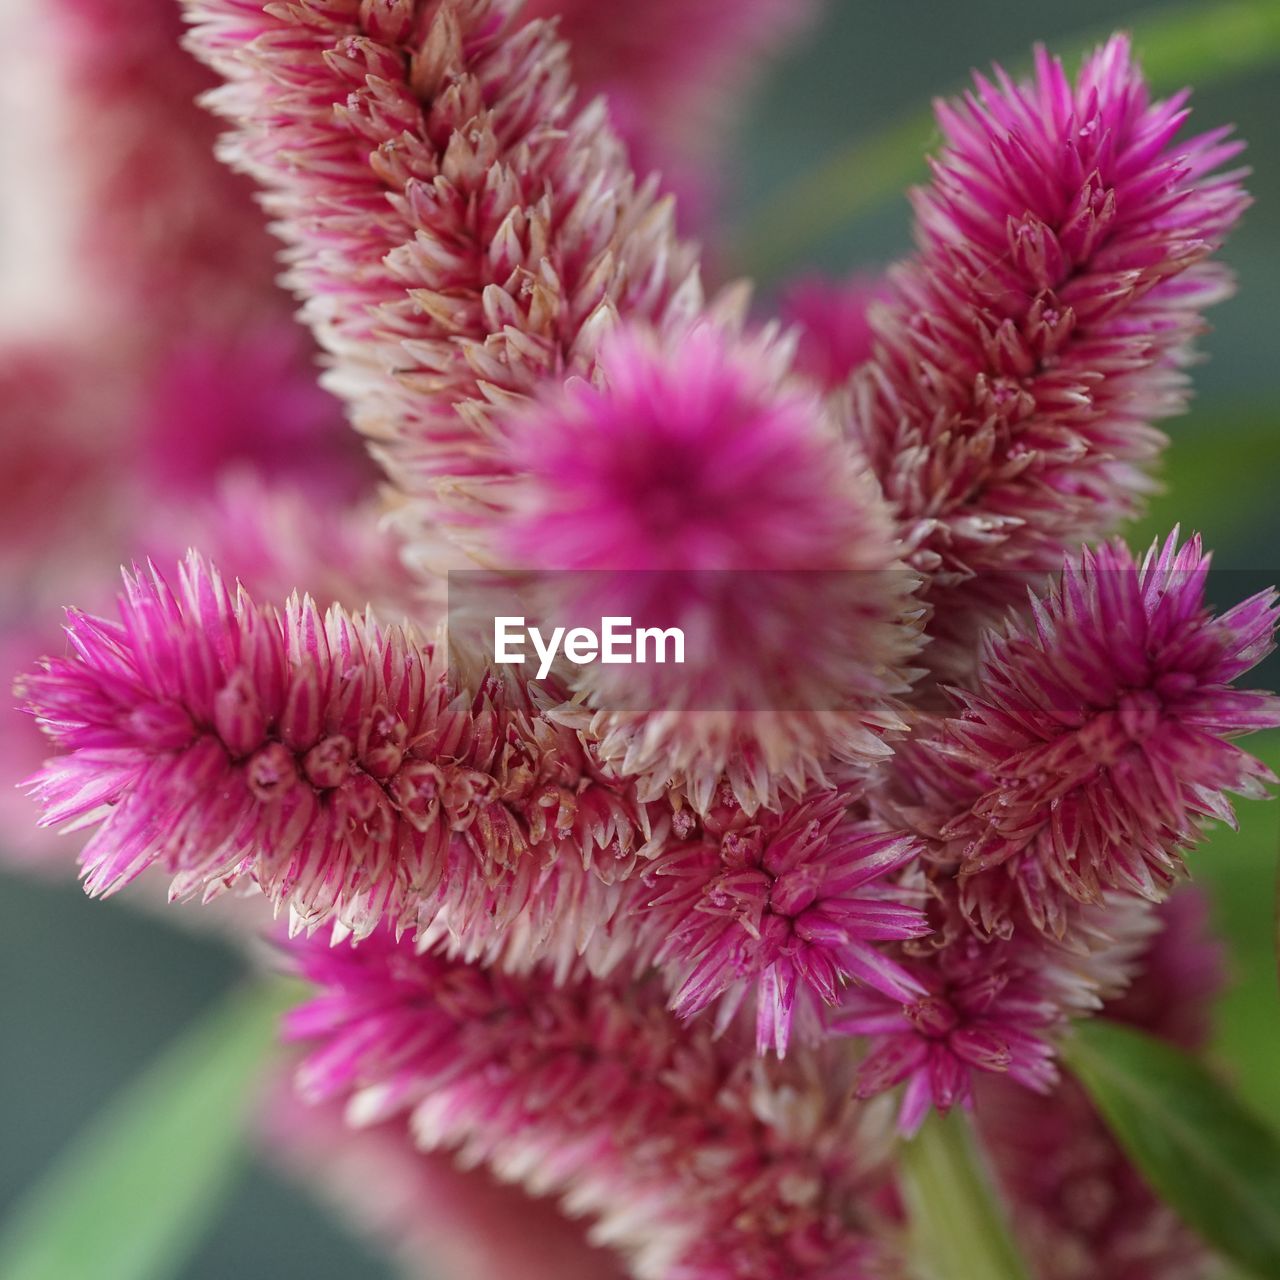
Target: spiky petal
<point x="698" y="489"/>
<point x="992" y="1007"/>
<point x="693" y="1160"/>
<point x="984" y="1012"/>
<point x="335" y="763"/>
<point x="1044" y="324"/>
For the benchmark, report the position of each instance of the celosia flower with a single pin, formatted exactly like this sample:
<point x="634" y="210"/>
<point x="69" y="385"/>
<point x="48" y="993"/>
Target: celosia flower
<point x="328" y="760"/>
<point x="1180" y="973"/>
<point x="692" y="1160"/>
<point x="1077" y="1206"/>
<point x="511" y="317"/>
<point x="1102" y="725"/>
<point x="671" y="70"/>
<point x="790" y="906"/>
<point x="459" y="229"/>
<point x="985" y="1011"/>
<point x="992" y="1007"/>
<point x="697" y="489"/>
<point x="1043" y="325"/>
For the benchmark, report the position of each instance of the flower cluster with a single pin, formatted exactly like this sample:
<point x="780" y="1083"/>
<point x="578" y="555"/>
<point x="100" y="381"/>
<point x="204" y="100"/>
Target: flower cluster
<point x="652" y="946"/>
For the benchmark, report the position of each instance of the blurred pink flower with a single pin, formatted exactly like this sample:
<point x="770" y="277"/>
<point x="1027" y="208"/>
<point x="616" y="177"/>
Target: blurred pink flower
<point x="692" y="1160"/>
<point x="695" y="488"/>
<point x="833" y="321"/>
<point x="436" y="1218"/>
<point x="1081" y="1210"/>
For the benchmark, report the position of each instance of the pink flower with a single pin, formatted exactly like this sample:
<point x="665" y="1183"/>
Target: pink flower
<point x="991" y="1007"/>
<point x="1043" y="326"/>
<point x="791" y="906"/>
<point x="331" y="762"/>
<point x="1183" y="970"/>
<point x="1102" y="725"/>
<point x="213" y="403"/>
<point x="692" y="1160"/>
<point x="696" y="488"/>
<point x="169" y="234"/>
<point x="458" y="227"/>
<point x="985" y="1011"/>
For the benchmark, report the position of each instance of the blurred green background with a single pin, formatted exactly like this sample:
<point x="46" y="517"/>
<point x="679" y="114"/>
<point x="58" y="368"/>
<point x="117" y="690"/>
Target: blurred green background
<point x="92" y="992"/>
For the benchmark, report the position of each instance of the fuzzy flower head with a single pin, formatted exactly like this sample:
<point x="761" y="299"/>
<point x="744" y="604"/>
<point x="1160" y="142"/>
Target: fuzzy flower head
<point x="690" y="1158"/>
<point x="1103" y="724"/>
<point x="698" y="489"/>
<point x="330" y="761"/>
<point x="793" y="906"/>
<point x="1043" y="326"/>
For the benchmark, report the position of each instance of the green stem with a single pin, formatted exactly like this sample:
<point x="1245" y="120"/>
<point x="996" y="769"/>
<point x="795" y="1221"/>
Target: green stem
<point x="1200" y="42"/>
<point x="957" y="1225"/>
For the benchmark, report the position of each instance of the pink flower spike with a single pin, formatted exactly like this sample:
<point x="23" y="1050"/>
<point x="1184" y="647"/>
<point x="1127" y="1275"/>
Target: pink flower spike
<point x="331" y="762"/>
<point x="458" y="226"/>
<point x="792" y="906"/>
<point x="693" y="1161"/>
<point x="1103" y="725"/>
<point x="1042" y="328"/>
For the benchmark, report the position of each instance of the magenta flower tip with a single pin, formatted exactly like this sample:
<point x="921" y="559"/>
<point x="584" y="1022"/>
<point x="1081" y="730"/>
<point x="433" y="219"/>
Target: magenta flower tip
<point x="795" y="906"/>
<point x="1104" y="722"/>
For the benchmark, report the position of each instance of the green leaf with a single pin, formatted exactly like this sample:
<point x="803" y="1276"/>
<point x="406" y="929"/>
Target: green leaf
<point x="1197" y="43"/>
<point x="131" y="1197"/>
<point x="1194" y="1141"/>
<point x="1239" y="869"/>
<point x="957" y="1227"/>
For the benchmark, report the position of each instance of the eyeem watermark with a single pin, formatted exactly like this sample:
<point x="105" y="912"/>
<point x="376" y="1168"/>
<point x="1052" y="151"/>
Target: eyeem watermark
<point x="617" y="642"/>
